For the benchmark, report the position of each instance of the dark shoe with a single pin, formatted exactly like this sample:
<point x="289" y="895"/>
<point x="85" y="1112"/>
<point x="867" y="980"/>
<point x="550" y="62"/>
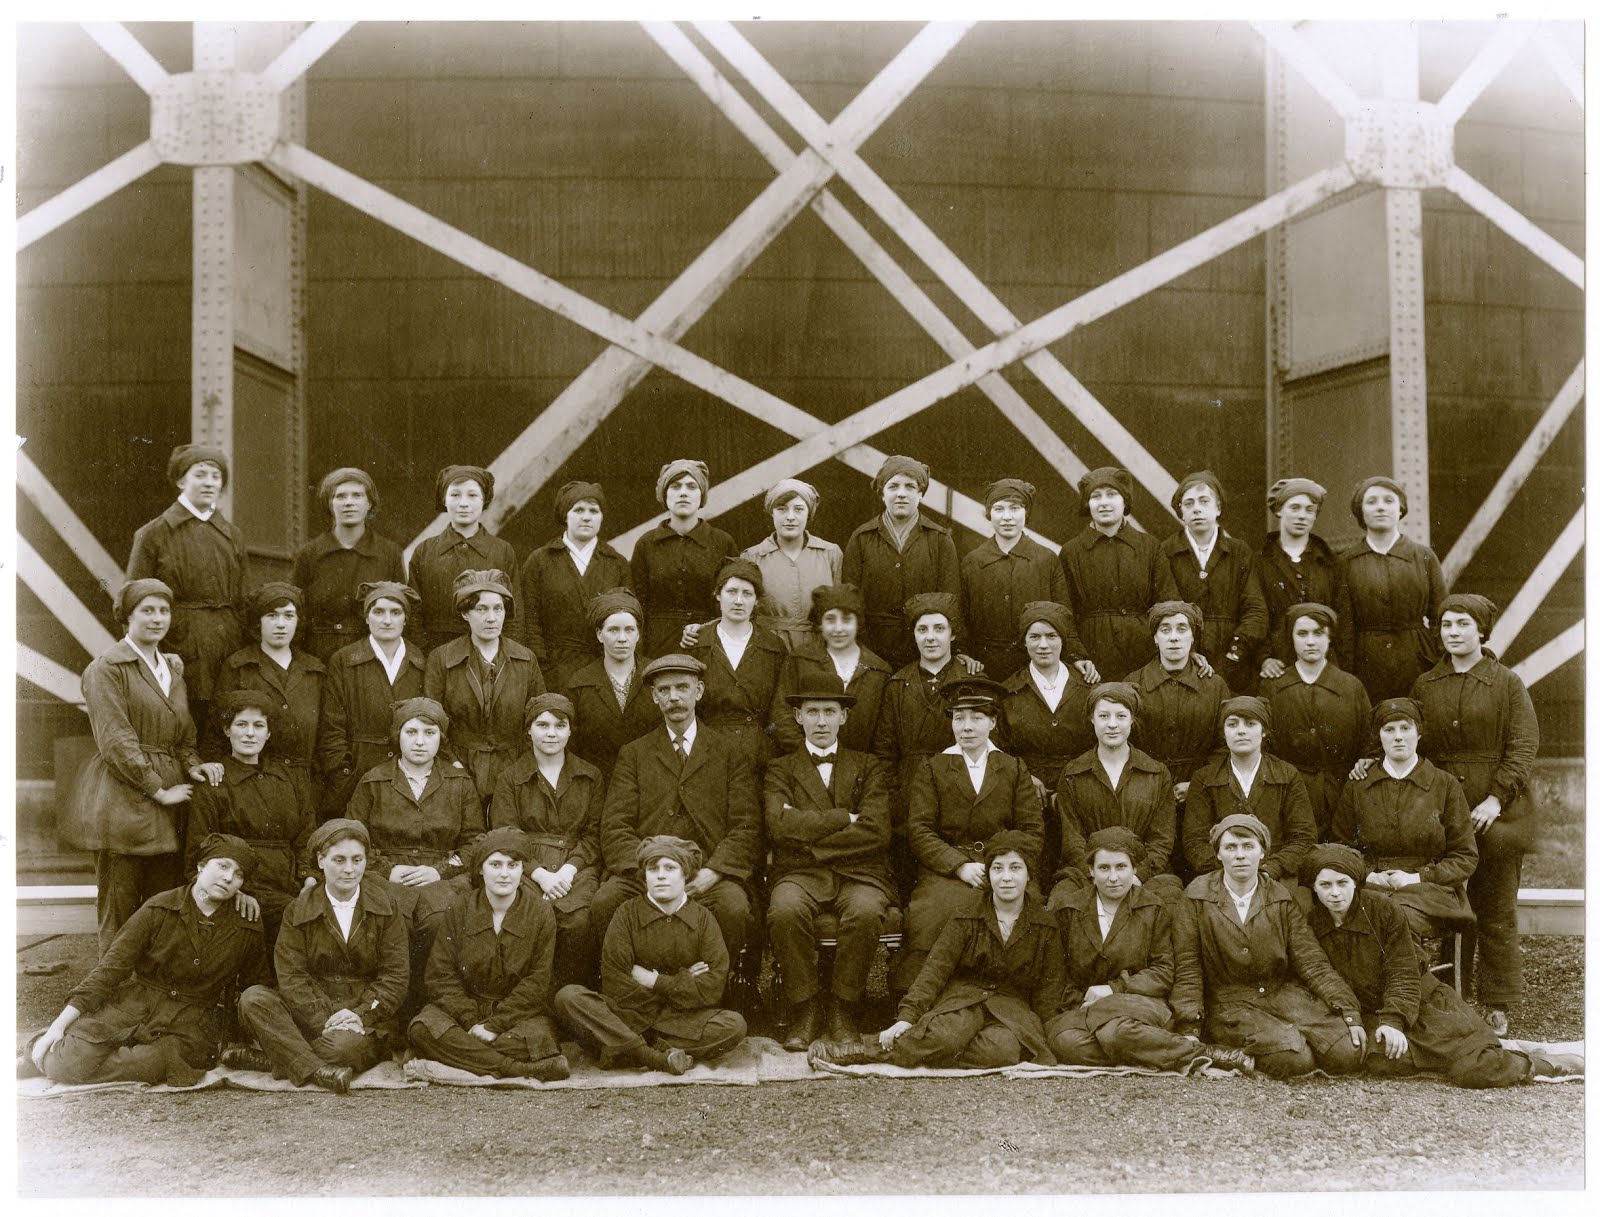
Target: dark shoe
<point x="679" y="1061"/>
<point x="1222" y="1057"/>
<point x="1499" y="1022"/>
<point x="805" y="1025"/>
<point x="241" y="1057"/>
<point x="1556" y="1064"/>
<point x="859" y="1051"/>
<point x="336" y="1078"/>
<point x="547" y="1069"/>
<point x="844" y="1023"/>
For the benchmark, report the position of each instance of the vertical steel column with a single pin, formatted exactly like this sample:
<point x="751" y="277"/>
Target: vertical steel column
<point x="295" y="128"/>
<point x="211" y="394"/>
<point x="1408" y="371"/>
<point x="1280" y="429"/>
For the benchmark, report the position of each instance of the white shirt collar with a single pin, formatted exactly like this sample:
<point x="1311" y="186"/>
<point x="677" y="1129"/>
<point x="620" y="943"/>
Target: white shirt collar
<point x="1203" y="554"/>
<point x="1246" y="777"/>
<point x="955" y="750"/>
<point x="1393" y="541"/>
<point x="195" y="511"/>
<point x="581" y="554"/>
<point x="391" y="667"/>
<point x="689" y="732"/>
<point x="682" y="900"/>
<point x="1389" y="767"/>
<point x="818" y="752"/>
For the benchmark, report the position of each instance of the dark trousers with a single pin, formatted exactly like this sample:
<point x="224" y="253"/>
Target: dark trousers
<point x="959" y="1039"/>
<point x="293" y="1052"/>
<point x="435" y="1035"/>
<point x="76" y="1061"/>
<point x="125" y="881"/>
<point x="1492" y="889"/>
<point x="1123" y="1029"/>
<point x="727" y="902"/>
<point x="590" y="1017"/>
<point x="791" y="926"/>
<point x="1288" y="1029"/>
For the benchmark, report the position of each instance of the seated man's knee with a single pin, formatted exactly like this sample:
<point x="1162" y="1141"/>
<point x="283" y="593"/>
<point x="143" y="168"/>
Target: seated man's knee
<point x="256" y="999"/>
<point x="73" y="1062"/>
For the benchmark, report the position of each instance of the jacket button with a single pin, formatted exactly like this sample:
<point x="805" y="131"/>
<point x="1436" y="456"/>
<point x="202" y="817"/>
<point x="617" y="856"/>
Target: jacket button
<point x="1262" y="989"/>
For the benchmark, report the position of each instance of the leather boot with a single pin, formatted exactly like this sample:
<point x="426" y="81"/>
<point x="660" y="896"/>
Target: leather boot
<point x="805" y="1025"/>
<point x="242" y="1056"/>
<point x="844" y="1020"/>
<point x="336" y="1078"/>
<point x="863" y="1050"/>
<point x="1223" y="1057"/>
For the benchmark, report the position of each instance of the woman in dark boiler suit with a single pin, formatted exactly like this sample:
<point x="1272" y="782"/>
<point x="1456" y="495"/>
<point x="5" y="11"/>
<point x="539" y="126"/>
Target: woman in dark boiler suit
<point x="332" y="567"/>
<point x="675" y="562"/>
<point x="462" y="492"/>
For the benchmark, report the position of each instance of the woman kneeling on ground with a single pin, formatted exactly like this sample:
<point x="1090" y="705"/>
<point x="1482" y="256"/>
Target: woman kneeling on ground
<point x="488" y="975"/>
<point x="1413" y="1021"/>
<point x="151" y="1011"/>
<point x="343" y="969"/>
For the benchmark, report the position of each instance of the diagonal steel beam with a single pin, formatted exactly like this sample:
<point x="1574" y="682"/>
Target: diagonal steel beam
<point x="1532" y="594"/>
<point x="130" y="54"/>
<point x="56" y="511"/>
<point x="1478" y="75"/>
<point x="85" y="193"/>
<point x="938" y="256"/>
<point x="61" y="600"/>
<point x="1515" y="475"/>
<point x="56" y="679"/>
<point x="1564" y="646"/>
<point x="1516" y="225"/>
<point x="295" y="60"/>
<point x="1313" y="68"/>
<point x="1560" y="63"/>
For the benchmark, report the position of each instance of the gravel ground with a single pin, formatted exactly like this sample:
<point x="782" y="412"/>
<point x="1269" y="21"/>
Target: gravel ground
<point x="870" y="1136"/>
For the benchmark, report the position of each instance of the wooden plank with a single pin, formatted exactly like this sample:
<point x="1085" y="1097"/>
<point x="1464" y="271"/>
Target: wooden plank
<point x="56" y="679"/>
<point x="1515" y="475"/>
<point x="939" y="258"/>
<point x="296" y="59"/>
<point x="1564" y="646"/>
<point x="85" y="193"/>
<point x="1311" y="66"/>
<point x="33" y="483"/>
<point x="115" y="40"/>
<point x="1478" y="75"/>
<point x="60" y="599"/>
<point x="1532" y="593"/>
<point x="1515" y="225"/>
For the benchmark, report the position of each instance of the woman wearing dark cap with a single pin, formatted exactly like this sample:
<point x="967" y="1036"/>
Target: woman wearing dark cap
<point x="1114" y="574"/>
<point x="833" y="656"/>
<point x="488" y="976"/>
<point x="1322" y="717"/>
<point x="556" y="798"/>
<point x="743" y="661"/>
<point x="1118" y="941"/>
<point x="1250" y="972"/>
<point x="957" y="799"/>
<point x="1250" y="780"/>
<point x="1216" y="572"/>
<point x="675" y="563"/>
<point x="1412" y="824"/>
<point x="333" y="566"/>
<point x="1007" y="571"/>
<point x="290" y="678"/>
<point x="199" y="553"/>
<point x="484" y="679"/>
<point x="1115" y="785"/>
<point x="1484" y="731"/>
<point x="343" y="967"/>
<point x="898" y="555"/>
<point x="557" y="581"/>
<point x="152" y="1008"/>
<point x="610" y="699"/>
<point x="1388" y="603"/>
<point x="793" y="563"/>
<point x="1182" y="700"/>
<point x="1297" y="567"/>
<point x="260" y="799"/>
<point x="462" y="492"/>
<point x="990" y="984"/>
<point x="128" y="804"/>
<point x="1413" y="1022"/>
<point x="364" y="681"/>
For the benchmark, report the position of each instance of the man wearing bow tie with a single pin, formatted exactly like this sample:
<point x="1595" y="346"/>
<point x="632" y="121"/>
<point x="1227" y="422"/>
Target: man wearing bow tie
<point x="827" y="817"/>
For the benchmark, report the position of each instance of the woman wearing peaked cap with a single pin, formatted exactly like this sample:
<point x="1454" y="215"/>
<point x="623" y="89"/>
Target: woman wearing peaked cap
<point x="199" y="553"/>
<point x="558" y="580"/>
<point x="462" y="493"/>
<point x="793" y="562"/>
<point x="610" y="698"/>
<point x="333" y="566"/>
<point x="833" y="655"/>
<point x="897" y="555"/>
<point x="1114" y="574"/>
<point x="278" y="669"/>
<point x="675" y="563"/>
<point x="1483" y="731"/>
<point x="1297" y="567"/>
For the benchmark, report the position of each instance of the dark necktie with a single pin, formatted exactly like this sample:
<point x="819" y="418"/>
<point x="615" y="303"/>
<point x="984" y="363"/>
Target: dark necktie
<point x="825" y="758"/>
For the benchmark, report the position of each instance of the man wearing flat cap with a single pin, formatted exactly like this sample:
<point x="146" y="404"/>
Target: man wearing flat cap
<point x="827" y="818"/>
<point x="1296" y="566"/>
<point x="682" y="780"/>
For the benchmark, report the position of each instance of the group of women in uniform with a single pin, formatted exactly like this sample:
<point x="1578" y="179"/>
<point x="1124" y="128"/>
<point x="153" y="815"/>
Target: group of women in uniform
<point x="403" y="774"/>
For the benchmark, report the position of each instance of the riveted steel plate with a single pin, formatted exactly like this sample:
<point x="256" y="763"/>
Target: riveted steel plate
<point x="1402" y="144"/>
<point x="214" y="118"/>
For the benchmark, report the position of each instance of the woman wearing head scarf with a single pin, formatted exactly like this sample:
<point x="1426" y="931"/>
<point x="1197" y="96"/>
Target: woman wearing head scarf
<point x="793" y="562"/>
<point x="129" y="800"/>
<point x="1249" y="780"/>
<point x="199" y="553"/>
<point x="1249" y="970"/>
<point x="343" y="967"/>
<point x="332" y="567"/>
<point x="662" y="972"/>
<point x="557" y="581"/>
<point x="743" y="661"/>
<point x="1322" y="717"/>
<point x="152" y="1008"/>
<point x="1181" y="701"/>
<point x="267" y="803"/>
<point x="488" y="977"/>
<point x="675" y="562"/>
<point x="1007" y="571"/>
<point x="1413" y="1022"/>
<point x="611" y="701"/>
<point x="898" y="555"/>
<point x="1118" y="941"/>
<point x="1114" y="573"/>
<point x="1388" y="603"/>
<point x="364" y="680"/>
<point x="483" y="679"/>
<point x="462" y="493"/>
<point x="833" y="656"/>
<point x="276" y="669"/>
<point x="1296" y="567"/>
<point x="1483" y="731"/>
<point x="555" y="798"/>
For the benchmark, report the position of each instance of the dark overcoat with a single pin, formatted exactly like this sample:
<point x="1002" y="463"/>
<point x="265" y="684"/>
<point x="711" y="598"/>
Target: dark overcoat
<point x="888" y="577"/>
<point x="553" y="604"/>
<point x="330" y="576"/>
<point x="319" y="972"/>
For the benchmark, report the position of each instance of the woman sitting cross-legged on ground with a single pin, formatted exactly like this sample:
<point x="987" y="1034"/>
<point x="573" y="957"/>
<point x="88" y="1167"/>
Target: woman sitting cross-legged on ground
<point x="488" y="976"/>
<point x="151" y="1011"/>
<point x="1118" y="940"/>
<point x="662" y="971"/>
<point x="343" y="967"/>
<point x="1413" y="1021"/>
